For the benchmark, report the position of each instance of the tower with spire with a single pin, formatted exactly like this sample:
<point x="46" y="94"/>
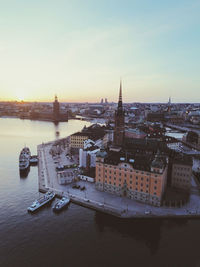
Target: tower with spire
<point x="119" y="121"/>
<point x="169" y="105"/>
<point x="56" y="109"/>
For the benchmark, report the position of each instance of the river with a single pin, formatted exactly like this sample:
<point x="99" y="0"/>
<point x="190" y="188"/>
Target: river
<point x="77" y="236"/>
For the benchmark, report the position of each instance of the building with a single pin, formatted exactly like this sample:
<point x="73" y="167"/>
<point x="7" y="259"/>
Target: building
<point x="94" y="132"/>
<point x="119" y="121"/>
<point x="193" y="138"/>
<point x="181" y="172"/>
<point x="56" y="110"/>
<point x="87" y="155"/>
<point x="77" y="140"/>
<point x="134" y="133"/>
<point x="137" y="177"/>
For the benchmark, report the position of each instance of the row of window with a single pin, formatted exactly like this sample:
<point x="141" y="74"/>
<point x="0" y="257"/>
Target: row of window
<point x="181" y="168"/>
<point x="147" y="180"/>
<point x="182" y="181"/>
<point x="181" y="174"/>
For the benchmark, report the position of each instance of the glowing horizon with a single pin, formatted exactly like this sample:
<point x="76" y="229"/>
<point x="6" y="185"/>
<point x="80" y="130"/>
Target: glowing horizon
<point x="80" y="50"/>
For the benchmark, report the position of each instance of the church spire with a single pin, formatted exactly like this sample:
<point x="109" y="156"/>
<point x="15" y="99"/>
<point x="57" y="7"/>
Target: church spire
<point x="120" y="97"/>
<point x="120" y="91"/>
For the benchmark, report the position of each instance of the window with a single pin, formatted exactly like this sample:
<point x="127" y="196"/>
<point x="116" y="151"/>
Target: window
<point x="155" y="181"/>
<point x="136" y="178"/>
<point x="142" y="178"/>
<point x="155" y="187"/>
<point x="130" y="182"/>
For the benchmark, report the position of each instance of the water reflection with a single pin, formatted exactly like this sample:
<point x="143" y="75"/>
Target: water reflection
<point x="148" y="231"/>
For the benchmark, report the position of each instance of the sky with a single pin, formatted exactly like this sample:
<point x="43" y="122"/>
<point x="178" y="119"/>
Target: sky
<point x="80" y="49"/>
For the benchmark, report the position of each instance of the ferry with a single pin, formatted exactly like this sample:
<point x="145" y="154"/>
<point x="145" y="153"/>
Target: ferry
<point x="49" y="196"/>
<point x="61" y="204"/>
<point x="24" y="159"/>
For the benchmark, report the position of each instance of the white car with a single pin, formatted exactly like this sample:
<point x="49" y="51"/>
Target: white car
<point x="147" y="212"/>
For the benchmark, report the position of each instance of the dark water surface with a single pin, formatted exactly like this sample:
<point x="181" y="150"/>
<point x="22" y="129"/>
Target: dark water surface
<point x="77" y="236"/>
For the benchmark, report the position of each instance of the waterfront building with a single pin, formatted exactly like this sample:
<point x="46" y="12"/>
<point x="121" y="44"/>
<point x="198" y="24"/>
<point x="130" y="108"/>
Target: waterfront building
<point x="119" y="121"/>
<point x="142" y="178"/>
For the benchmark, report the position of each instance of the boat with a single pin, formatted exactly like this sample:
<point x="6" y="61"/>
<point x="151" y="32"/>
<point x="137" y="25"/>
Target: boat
<point x="64" y="202"/>
<point x="49" y="196"/>
<point x="33" y="160"/>
<point x="24" y="161"/>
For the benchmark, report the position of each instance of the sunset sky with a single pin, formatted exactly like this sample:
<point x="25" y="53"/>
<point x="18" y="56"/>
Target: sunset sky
<point x="79" y="50"/>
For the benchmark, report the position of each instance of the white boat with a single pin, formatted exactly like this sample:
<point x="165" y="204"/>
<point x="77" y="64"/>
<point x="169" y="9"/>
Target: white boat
<point x="41" y="201"/>
<point x="61" y="204"/>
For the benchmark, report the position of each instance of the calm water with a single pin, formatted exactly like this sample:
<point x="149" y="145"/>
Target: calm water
<point x="77" y="236"/>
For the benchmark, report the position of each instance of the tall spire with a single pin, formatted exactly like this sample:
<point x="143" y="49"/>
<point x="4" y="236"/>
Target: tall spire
<point x="120" y="91"/>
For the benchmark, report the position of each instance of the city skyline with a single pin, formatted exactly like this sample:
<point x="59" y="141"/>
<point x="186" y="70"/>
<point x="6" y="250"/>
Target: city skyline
<point x="80" y="50"/>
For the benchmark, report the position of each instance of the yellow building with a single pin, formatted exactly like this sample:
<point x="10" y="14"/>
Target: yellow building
<point x="77" y="140"/>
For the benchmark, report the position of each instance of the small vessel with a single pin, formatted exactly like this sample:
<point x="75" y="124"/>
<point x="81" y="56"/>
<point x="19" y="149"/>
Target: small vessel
<point x="33" y="160"/>
<point x="61" y="204"/>
<point x="41" y="201"/>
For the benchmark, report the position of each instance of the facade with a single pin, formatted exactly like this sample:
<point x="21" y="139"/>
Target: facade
<point x="181" y="173"/>
<point x="77" y="140"/>
<point x="119" y="121"/>
<point x="87" y="156"/>
<point x="136" y="178"/>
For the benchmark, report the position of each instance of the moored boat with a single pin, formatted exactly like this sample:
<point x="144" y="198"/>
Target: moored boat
<point x="49" y="196"/>
<point x="64" y="202"/>
<point x="24" y="159"/>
